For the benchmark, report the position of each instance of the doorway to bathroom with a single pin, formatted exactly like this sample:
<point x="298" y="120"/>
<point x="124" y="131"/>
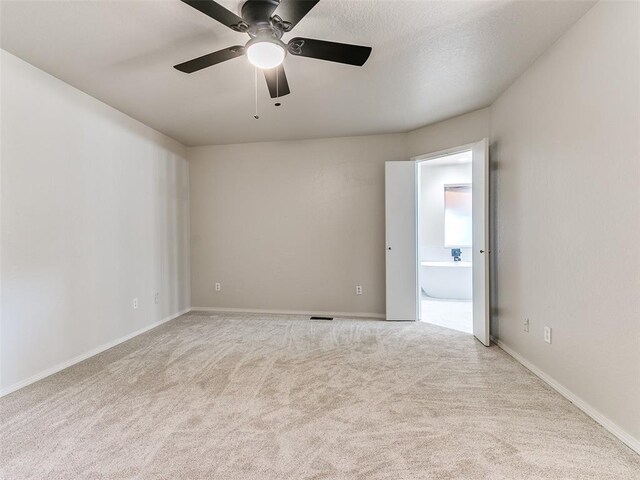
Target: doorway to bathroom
<point x="445" y="240"/>
<point x="429" y="263"/>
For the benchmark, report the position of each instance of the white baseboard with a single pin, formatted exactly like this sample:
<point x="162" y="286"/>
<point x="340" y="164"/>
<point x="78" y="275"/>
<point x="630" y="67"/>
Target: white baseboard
<point x="290" y="312"/>
<point x="608" y="424"/>
<point x="84" y="356"/>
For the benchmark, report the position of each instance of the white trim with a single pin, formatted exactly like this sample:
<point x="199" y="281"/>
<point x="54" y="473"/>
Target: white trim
<point x="442" y="153"/>
<point x="84" y="356"/>
<point x="608" y="424"/>
<point x="290" y="312"/>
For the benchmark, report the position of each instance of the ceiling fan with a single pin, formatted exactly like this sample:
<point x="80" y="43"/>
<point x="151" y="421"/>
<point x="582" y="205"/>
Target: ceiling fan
<point x="265" y="21"/>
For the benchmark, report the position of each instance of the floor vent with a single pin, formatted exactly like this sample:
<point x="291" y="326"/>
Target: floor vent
<point x="321" y="318"/>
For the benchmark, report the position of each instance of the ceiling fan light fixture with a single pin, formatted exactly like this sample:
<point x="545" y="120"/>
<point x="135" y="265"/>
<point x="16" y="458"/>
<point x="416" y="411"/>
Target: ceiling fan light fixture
<point x="265" y="54"/>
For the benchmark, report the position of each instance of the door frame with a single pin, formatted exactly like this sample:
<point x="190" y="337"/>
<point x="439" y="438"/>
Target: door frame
<point x="423" y="158"/>
<point x="443" y="153"/>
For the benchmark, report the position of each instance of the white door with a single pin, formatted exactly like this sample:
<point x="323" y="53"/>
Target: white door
<point x="401" y="247"/>
<point x="480" y="209"/>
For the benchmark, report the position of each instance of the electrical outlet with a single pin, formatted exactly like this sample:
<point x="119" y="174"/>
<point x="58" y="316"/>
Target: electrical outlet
<point x="218" y="287"/>
<point x="135" y="303"/>
<point x="157" y="298"/>
<point x="358" y="289"/>
<point x="547" y="334"/>
<point x="525" y="325"/>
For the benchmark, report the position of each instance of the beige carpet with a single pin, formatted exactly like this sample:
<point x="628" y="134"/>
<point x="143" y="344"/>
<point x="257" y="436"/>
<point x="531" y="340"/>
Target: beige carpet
<point x="273" y="397"/>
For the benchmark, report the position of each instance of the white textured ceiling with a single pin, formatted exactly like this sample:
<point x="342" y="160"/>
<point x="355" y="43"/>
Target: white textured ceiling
<point x="430" y="61"/>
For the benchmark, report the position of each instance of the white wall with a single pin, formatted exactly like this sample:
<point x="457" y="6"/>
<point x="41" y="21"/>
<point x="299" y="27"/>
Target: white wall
<point x="566" y="141"/>
<point x="292" y="225"/>
<point x="94" y="213"/>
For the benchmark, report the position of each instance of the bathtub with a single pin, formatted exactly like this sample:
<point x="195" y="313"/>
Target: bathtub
<point x="450" y="280"/>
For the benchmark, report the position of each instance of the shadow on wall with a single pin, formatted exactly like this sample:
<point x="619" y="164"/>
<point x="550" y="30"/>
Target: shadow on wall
<point x="493" y="240"/>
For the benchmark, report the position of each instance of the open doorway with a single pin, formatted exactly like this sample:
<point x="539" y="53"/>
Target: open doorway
<point x="445" y="241"/>
<point x="404" y="275"/>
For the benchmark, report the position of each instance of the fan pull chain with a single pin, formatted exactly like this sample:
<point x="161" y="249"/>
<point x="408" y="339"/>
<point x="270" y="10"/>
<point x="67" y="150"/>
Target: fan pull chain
<point x="277" y="104"/>
<point x="255" y="84"/>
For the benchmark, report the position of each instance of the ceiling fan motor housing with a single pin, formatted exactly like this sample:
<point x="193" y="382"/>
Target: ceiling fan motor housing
<point x="265" y="37"/>
<point x="259" y="15"/>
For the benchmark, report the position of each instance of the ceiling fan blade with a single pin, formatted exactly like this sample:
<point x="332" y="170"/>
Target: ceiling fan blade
<point x="277" y="82"/>
<point x="210" y="59"/>
<point x="219" y="13"/>
<point x="330" y="51"/>
<point x="292" y="11"/>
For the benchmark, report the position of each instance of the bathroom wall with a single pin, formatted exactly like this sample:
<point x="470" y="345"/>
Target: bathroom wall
<point x="433" y="180"/>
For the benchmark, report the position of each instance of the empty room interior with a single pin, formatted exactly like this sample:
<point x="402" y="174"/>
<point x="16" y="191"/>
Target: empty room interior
<point x="319" y="239"/>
